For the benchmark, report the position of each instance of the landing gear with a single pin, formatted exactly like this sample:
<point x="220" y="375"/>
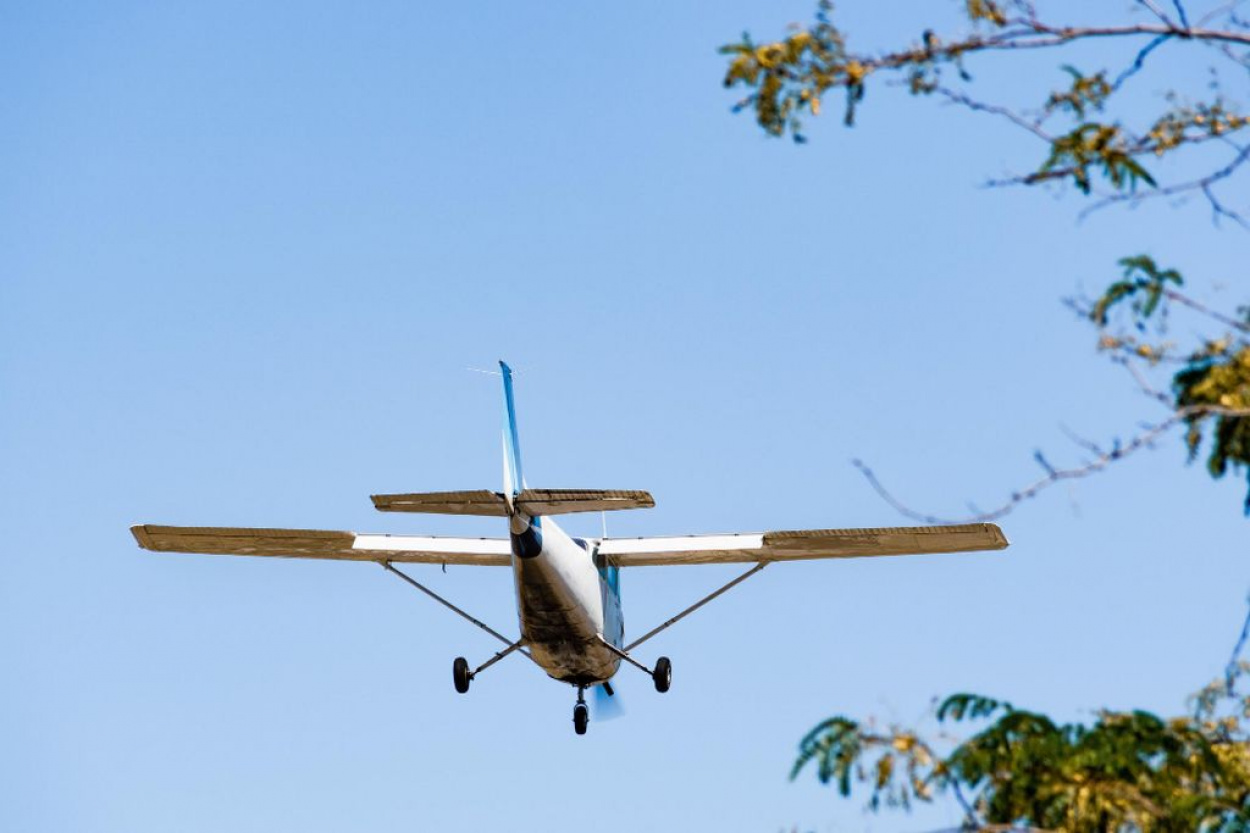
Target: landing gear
<point x="581" y="714"/>
<point x="662" y="676"/>
<point x="581" y="718"/>
<point x="461" y="675"/>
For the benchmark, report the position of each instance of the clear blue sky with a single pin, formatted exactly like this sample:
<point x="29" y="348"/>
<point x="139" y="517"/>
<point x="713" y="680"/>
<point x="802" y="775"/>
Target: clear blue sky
<point x="246" y="254"/>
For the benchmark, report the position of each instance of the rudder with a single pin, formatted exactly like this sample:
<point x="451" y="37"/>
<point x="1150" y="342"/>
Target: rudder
<point x="513" y="480"/>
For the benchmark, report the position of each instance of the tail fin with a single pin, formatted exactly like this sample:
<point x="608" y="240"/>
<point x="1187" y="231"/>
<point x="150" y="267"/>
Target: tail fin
<point x="513" y="480"/>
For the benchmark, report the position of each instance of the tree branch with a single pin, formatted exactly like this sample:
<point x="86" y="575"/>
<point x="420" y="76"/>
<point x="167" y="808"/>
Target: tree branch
<point x="1203" y="185"/>
<point x="1119" y="451"/>
<point x="1033" y="34"/>
<point x="791" y="76"/>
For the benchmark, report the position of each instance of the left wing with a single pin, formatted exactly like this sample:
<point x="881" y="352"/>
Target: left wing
<point x="316" y="543"/>
<point x="753" y="547"/>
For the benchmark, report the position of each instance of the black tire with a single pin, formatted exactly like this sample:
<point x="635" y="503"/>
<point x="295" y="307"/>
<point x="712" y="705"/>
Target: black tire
<point x="460" y="674"/>
<point x="663" y="674"/>
<point x="581" y="718"/>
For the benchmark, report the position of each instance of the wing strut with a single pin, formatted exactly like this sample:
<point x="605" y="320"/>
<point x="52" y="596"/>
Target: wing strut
<point x="673" y="621"/>
<point x="462" y="675"/>
<point x="512" y="646"/>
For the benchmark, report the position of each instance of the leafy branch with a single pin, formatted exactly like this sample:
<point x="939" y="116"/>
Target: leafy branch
<point x="1127" y="771"/>
<point x="787" y="80"/>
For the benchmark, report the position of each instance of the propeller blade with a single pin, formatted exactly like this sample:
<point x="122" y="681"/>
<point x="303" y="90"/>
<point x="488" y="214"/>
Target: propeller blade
<point x="607" y="706"/>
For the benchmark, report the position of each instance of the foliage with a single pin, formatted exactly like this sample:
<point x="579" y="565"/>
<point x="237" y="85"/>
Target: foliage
<point x="1218" y="380"/>
<point x="1127" y="771"/>
<point x="1094" y="145"/>
<point x="1141" y="278"/>
<point x="788" y="79"/>
<point x="1212" y="386"/>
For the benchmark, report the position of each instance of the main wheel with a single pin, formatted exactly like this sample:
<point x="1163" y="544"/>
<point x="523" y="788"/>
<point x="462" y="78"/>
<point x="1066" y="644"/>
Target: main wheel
<point x="460" y="674"/>
<point x="663" y="674"/>
<point x="581" y="718"/>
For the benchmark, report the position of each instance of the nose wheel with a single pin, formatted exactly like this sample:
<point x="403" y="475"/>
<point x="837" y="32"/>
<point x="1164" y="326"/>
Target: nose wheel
<point x="581" y="714"/>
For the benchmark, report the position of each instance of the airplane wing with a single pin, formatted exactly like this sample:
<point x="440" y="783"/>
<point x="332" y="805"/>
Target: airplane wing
<point x="747" y="548"/>
<point x="314" y="543"/>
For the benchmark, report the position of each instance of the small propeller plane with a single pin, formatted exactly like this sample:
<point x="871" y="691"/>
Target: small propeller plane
<point x="568" y="592"/>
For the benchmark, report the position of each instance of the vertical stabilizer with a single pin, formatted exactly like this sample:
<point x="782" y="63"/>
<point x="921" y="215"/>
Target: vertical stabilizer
<point x="513" y="481"/>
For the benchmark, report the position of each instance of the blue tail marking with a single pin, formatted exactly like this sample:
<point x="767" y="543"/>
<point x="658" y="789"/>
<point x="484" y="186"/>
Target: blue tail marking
<point x="526" y="543"/>
<point x="513" y="479"/>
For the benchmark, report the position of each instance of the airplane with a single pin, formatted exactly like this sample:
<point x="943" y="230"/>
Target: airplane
<point x="567" y="589"/>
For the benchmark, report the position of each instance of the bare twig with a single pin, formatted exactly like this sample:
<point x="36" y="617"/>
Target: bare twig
<point x="1088" y="445"/>
<point x="1118" y="452"/>
<point x="1142" y="382"/>
<point x="981" y="107"/>
<point x="1180" y="13"/>
<point x="970" y="815"/>
<point x="1158" y="12"/>
<point x="1139" y="61"/>
<point x="1199" y="307"/>
<point x="1218" y="210"/>
<point x="1230" y="670"/>
<point x="1227" y="8"/>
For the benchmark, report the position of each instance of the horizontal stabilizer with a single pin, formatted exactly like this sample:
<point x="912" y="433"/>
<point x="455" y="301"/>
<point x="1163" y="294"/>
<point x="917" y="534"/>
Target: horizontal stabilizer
<point x="316" y="543"/>
<point x="533" y="502"/>
<point x="538" y="502"/>
<point x="480" y="502"/>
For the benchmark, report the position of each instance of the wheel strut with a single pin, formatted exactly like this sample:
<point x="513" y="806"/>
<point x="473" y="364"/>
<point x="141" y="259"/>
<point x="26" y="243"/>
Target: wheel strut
<point x="661" y="675"/>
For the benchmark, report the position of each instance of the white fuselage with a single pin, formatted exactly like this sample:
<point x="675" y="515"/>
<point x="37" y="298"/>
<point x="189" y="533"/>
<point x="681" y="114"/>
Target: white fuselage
<point x="568" y="604"/>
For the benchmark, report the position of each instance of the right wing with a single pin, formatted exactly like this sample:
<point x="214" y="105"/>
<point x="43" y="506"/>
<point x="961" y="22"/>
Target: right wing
<point x="754" y="547"/>
<point x="313" y="543"/>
